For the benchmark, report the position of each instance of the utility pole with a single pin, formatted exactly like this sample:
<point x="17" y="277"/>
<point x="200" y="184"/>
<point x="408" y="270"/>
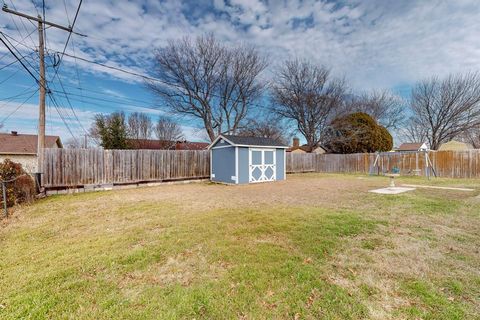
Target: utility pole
<point x="41" y="103"/>
<point x="42" y="82"/>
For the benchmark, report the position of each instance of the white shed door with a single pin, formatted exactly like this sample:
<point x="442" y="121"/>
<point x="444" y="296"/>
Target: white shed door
<point x="262" y="165"/>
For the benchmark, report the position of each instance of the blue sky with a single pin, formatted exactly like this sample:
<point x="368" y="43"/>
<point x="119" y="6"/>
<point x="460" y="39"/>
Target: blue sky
<point x="374" y="44"/>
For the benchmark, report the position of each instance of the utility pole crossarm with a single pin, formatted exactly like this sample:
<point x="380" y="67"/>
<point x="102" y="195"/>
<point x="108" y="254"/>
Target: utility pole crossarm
<point x="40" y="20"/>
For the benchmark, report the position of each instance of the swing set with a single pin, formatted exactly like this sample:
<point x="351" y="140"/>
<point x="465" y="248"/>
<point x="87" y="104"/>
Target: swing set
<point x="384" y="160"/>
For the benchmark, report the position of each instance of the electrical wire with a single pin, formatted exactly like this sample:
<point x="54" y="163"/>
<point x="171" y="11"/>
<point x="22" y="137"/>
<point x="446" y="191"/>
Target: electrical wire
<point x="11" y="76"/>
<point x="57" y="107"/>
<point x="68" y="38"/>
<point x="2" y="122"/>
<point x="23" y="23"/>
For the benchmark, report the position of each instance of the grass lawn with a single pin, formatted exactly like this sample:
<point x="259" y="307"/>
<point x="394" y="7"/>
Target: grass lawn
<point x="312" y="247"/>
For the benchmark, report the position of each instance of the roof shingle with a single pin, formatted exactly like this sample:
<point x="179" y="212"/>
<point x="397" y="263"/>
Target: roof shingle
<point x="24" y="143"/>
<point x="253" y="141"/>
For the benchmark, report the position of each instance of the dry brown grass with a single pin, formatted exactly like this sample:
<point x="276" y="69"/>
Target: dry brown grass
<point x="189" y="235"/>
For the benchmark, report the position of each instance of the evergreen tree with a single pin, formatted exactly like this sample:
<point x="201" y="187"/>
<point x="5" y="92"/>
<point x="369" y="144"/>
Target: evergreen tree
<point x="357" y="133"/>
<point x="111" y="130"/>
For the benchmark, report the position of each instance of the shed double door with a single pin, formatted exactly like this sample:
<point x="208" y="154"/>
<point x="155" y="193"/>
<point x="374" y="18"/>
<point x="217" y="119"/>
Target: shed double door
<point x="262" y="165"/>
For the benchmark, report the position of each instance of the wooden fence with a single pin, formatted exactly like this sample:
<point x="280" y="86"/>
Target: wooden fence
<point x="77" y="167"/>
<point x="449" y="164"/>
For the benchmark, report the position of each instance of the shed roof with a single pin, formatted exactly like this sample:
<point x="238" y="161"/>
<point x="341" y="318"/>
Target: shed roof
<point x="250" y="141"/>
<point x="25" y="143"/>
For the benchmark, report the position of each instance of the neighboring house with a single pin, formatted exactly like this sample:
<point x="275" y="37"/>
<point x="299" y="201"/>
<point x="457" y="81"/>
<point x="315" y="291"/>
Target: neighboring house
<point x="22" y="148"/>
<point x="297" y="148"/>
<point x="413" y="146"/>
<point x="454" y="145"/>
<point x="319" y="150"/>
<point x="148" y="144"/>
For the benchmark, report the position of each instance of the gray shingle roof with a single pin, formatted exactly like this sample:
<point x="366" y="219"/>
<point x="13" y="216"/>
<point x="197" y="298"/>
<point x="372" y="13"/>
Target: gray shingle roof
<point x="253" y="141"/>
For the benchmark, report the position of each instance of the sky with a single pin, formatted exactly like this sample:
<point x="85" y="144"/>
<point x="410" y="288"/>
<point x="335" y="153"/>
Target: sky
<point x="373" y="44"/>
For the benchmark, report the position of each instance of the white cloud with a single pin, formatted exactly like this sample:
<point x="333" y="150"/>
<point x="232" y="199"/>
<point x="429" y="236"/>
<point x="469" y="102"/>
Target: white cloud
<point x="373" y="43"/>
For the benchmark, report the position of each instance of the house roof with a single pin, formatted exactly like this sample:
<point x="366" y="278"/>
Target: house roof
<point x="148" y="144"/>
<point x="305" y="148"/>
<point x="185" y="145"/>
<point x="454" y="145"/>
<point x="410" y="146"/>
<point x="250" y="141"/>
<point x="25" y="143"/>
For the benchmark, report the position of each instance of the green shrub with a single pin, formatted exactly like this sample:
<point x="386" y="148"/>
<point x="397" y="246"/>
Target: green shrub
<point x="22" y="189"/>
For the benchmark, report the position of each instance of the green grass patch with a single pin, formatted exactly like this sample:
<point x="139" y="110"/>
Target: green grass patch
<point x="428" y="303"/>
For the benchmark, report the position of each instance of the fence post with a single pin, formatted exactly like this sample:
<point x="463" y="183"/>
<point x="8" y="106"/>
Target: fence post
<point x="4" y="193"/>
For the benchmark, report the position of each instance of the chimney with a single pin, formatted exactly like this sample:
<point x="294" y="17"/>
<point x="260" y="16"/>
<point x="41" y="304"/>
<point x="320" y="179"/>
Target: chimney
<point x="296" y="142"/>
<point x="14" y="133"/>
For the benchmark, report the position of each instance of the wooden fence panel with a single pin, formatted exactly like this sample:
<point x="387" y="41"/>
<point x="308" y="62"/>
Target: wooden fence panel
<point x="449" y="164"/>
<point x="76" y="167"/>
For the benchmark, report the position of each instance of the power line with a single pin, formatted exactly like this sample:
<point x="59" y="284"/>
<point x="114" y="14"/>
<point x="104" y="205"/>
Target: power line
<point x="7" y="100"/>
<point x="68" y="38"/>
<point x="57" y="107"/>
<point x="20" y="42"/>
<point x="35" y="5"/>
<point x="11" y="76"/>
<point x="97" y="104"/>
<point x="8" y="65"/>
<point x="23" y="23"/>
<point x="18" y="107"/>
<point x="145" y="77"/>
<point x="19" y="60"/>
<point x="66" y="11"/>
<point x="20" y="54"/>
<point x="71" y="107"/>
<point x="115" y="98"/>
<point x="14" y="61"/>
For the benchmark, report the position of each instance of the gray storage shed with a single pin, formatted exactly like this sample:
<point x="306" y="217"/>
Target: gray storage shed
<point x="240" y="160"/>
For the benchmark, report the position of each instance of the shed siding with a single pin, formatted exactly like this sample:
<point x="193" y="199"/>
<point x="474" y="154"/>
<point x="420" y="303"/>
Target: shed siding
<point x="280" y="164"/>
<point x="243" y="174"/>
<point x="223" y="164"/>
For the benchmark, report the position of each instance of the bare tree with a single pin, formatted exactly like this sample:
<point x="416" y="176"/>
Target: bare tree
<point x="168" y="130"/>
<point x="73" y="143"/>
<point x="383" y="106"/>
<point x="414" y="131"/>
<point x="209" y="81"/>
<point x="308" y="95"/>
<point x="472" y="137"/>
<point x="447" y="108"/>
<point x="267" y="127"/>
<point x="139" y="126"/>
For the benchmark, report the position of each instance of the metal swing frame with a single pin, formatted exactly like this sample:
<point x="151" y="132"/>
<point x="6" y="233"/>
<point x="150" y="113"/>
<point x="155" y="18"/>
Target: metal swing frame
<point x="429" y="168"/>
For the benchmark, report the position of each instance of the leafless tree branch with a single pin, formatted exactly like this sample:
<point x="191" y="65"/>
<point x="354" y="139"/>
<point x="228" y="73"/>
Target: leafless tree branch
<point x="446" y="108"/>
<point x="209" y="81"/>
<point x="308" y="95"/>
